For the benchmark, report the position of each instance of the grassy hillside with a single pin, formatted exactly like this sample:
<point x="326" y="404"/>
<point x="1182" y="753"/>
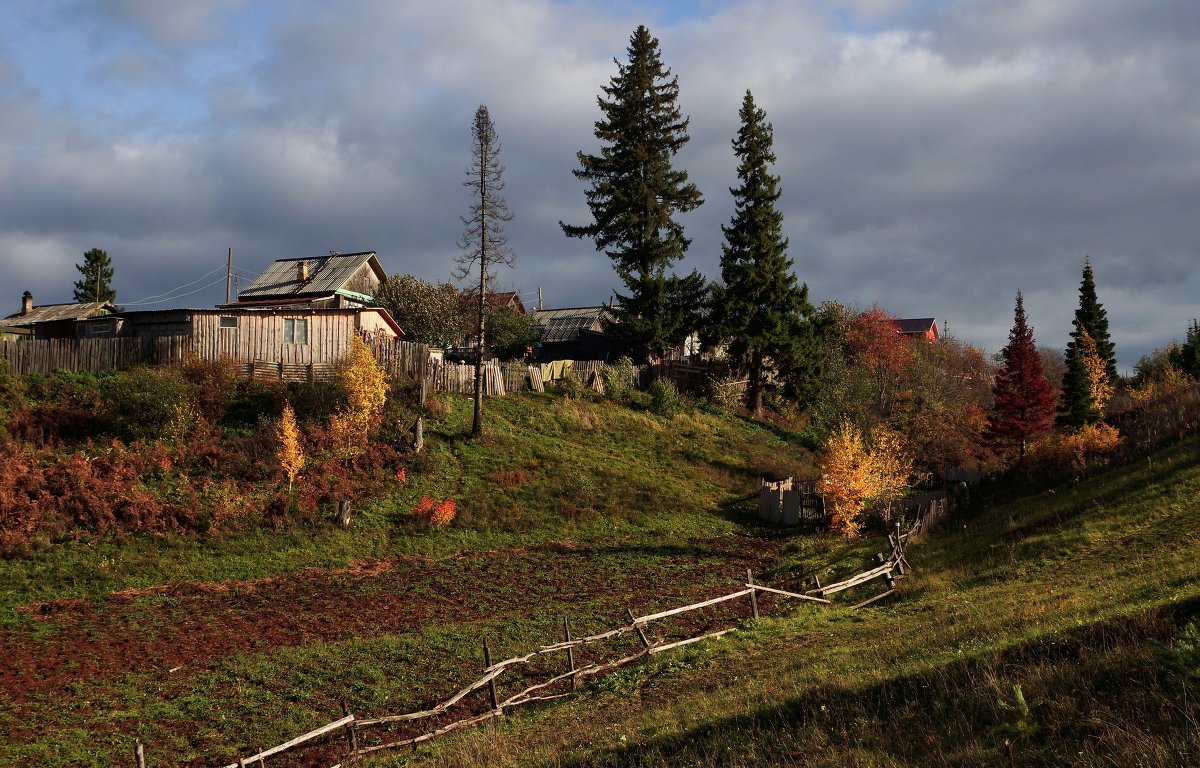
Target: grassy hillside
<point x="206" y="646"/>
<point x="1063" y="623"/>
<point x="1058" y="629"/>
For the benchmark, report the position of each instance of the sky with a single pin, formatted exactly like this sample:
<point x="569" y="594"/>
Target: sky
<point x="935" y="156"/>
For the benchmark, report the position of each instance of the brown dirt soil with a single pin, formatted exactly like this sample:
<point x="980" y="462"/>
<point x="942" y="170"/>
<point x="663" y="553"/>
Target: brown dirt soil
<point x="179" y="628"/>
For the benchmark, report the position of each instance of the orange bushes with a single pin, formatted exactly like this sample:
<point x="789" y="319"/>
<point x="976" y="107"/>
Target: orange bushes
<point x="437" y="514"/>
<point x="852" y="474"/>
<point x="1089" y="446"/>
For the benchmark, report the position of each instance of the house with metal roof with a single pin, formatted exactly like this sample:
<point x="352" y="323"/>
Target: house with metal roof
<point x="573" y="333"/>
<point x="53" y="321"/>
<point x="917" y="327"/>
<point x="336" y="281"/>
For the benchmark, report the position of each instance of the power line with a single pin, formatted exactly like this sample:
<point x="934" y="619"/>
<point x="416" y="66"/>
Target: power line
<point x="180" y="296"/>
<point x="147" y="300"/>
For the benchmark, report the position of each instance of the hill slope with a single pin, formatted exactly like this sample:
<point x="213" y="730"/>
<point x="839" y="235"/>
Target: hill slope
<point x="205" y="649"/>
<point x="1058" y="629"/>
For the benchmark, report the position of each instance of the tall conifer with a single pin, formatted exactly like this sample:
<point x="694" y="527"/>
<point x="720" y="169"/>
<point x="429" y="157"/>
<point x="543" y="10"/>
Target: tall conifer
<point x="1076" y="406"/>
<point x="760" y="309"/>
<point x="1024" y="399"/>
<point x="634" y="196"/>
<point x="1094" y="320"/>
<point x="483" y="242"/>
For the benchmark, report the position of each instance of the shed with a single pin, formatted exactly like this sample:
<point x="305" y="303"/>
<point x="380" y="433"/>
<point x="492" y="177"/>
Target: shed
<point x="53" y="321"/>
<point x="290" y="335"/>
<point x="573" y="333"/>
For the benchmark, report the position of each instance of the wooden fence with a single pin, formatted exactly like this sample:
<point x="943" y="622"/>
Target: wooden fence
<point x="44" y="356"/>
<point x="790" y="502"/>
<point x="794" y="500"/>
<point x="356" y="730"/>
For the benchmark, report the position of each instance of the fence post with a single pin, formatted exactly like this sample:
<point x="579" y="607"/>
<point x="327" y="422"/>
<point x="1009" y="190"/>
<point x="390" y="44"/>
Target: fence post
<point x="139" y="754"/>
<point x="753" y="593"/>
<point x="351" y="736"/>
<point x="570" y="654"/>
<point x="487" y="662"/>
<point x="641" y="635"/>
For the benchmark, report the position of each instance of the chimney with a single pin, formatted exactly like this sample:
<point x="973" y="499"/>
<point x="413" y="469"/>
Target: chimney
<point x="26" y="303"/>
<point x="303" y="271"/>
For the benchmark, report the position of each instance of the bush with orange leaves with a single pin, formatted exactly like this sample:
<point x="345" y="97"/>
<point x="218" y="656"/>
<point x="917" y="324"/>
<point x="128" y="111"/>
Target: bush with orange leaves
<point x="845" y="468"/>
<point x="852" y="475"/>
<point x="291" y="448"/>
<point x="437" y="514"/>
<point x="1079" y="450"/>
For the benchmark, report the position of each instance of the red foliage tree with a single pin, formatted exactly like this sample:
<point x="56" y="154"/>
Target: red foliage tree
<point x="1024" y="399"/>
<point x="878" y="347"/>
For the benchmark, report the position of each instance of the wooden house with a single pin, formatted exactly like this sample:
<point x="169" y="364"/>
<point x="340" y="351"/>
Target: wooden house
<point x="574" y="333"/>
<point x="336" y="281"/>
<point x="506" y="300"/>
<point x="55" y="321"/>
<point x="286" y="335"/>
<point x="917" y="328"/>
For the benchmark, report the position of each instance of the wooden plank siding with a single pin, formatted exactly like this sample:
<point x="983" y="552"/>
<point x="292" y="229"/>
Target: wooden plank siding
<point x="261" y="337"/>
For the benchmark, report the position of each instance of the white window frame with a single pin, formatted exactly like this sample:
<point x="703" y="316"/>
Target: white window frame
<point x="295" y="330"/>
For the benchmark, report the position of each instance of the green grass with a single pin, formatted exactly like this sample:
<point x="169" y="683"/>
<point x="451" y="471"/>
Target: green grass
<point x="594" y="472"/>
<point x="642" y="501"/>
<point x="1081" y="602"/>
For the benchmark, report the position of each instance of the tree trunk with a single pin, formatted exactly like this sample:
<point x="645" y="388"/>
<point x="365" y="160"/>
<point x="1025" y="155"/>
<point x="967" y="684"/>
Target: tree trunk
<point x="477" y="420"/>
<point x="755" y="395"/>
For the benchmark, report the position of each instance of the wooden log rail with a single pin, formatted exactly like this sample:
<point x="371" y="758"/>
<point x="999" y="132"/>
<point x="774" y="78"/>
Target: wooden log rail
<point x="539" y="691"/>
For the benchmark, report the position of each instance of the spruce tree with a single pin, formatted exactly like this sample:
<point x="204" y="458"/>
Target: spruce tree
<point x="1094" y="320"/>
<point x="1024" y="399"/>
<point x="483" y="242"/>
<point x="759" y="309"/>
<point x="1186" y="356"/>
<point x="1076" y="405"/>
<point x="634" y="196"/>
<point x="96" y="283"/>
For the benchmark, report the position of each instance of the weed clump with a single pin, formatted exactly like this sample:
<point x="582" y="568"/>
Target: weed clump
<point x="664" y="398"/>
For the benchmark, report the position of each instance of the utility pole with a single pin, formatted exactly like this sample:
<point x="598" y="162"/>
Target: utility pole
<point x="228" y="273"/>
<point x="539" y="298"/>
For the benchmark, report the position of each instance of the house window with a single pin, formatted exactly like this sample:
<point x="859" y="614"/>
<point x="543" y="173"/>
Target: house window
<point x="100" y="329"/>
<point x="295" y="331"/>
<point x="227" y="322"/>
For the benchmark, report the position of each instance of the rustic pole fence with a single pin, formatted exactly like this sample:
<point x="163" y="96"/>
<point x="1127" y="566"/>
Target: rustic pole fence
<point x="889" y="570"/>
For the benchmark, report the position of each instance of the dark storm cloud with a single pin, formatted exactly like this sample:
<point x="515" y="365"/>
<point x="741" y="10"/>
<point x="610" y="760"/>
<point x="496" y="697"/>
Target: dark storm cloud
<point x="934" y="157"/>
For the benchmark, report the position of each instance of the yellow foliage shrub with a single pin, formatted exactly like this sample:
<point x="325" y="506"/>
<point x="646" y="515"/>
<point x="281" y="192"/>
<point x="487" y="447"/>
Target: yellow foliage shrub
<point x="364" y="386"/>
<point x="291" y="452"/>
<point x="846" y="482"/>
<point x="852" y="475"/>
<point x="1076" y="450"/>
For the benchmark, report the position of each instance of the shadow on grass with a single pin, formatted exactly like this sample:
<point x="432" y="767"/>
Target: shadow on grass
<point x="1116" y="693"/>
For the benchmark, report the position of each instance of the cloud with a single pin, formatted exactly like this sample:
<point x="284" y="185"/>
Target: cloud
<point x="934" y="157"/>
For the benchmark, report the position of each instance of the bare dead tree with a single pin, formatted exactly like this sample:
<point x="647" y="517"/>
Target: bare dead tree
<point x="483" y="241"/>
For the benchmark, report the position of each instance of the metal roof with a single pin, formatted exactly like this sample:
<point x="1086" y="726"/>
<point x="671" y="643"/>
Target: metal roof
<point x="555" y="325"/>
<point x="326" y="274"/>
<point x="49" y="312"/>
<point x="914" y="325"/>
